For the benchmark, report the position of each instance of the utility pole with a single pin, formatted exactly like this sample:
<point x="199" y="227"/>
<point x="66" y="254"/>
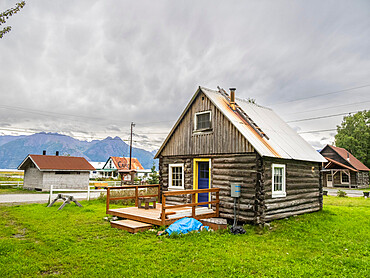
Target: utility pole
<point x="132" y="125"/>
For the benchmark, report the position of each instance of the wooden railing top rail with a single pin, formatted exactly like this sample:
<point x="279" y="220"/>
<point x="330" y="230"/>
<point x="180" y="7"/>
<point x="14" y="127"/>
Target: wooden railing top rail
<point x="192" y="191"/>
<point x="131" y="197"/>
<point x="133" y="186"/>
<point x="191" y="204"/>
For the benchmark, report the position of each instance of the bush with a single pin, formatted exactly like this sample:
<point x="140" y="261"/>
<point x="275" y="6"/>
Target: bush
<point x="341" y="193"/>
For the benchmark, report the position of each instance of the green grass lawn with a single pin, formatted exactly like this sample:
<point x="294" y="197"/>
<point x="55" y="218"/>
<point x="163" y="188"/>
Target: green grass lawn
<point x="36" y="240"/>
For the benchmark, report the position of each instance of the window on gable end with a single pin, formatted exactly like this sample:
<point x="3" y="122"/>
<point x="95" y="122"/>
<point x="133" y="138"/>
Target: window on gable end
<point x="202" y="121"/>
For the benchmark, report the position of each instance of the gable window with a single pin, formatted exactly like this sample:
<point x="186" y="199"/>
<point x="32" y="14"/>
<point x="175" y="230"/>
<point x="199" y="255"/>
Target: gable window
<point x="176" y="176"/>
<point x="344" y="177"/>
<point x="278" y="180"/>
<point x="202" y="121"/>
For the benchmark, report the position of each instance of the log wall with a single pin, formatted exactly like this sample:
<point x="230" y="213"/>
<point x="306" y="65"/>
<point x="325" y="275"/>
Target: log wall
<point x="303" y="185"/>
<point x="239" y="169"/>
<point x="225" y="169"/>
<point x="303" y="189"/>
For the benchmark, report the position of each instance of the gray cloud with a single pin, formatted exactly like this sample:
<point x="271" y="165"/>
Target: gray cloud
<point x="113" y="62"/>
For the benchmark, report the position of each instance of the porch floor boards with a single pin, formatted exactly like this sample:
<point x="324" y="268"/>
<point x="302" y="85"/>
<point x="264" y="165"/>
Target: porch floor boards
<point x="152" y="216"/>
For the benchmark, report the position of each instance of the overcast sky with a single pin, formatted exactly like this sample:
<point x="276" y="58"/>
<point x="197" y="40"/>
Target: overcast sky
<point x="89" y="68"/>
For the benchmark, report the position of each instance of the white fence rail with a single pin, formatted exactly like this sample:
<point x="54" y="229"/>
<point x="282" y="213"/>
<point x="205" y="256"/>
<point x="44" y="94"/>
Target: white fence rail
<point x="11" y="183"/>
<point x="88" y="191"/>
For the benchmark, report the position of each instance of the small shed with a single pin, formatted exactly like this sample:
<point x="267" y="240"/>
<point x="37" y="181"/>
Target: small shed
<point x="342" y="169"/>
<point x="224" y="142"/>
<point x="63" y="172"/>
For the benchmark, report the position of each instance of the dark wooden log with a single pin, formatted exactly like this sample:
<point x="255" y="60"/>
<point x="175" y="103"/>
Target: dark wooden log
<point x="287" y="214"/>
<point x="240" y="218"/>
<point x="294" y="203"/>
<point x="304" y="195"/>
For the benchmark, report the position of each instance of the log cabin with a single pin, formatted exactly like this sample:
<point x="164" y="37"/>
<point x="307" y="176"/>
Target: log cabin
<point x="343" y="169"/>
<point x="224" y="142"/>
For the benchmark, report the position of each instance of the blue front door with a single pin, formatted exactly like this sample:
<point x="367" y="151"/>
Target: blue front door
<point x="203" y="181"/>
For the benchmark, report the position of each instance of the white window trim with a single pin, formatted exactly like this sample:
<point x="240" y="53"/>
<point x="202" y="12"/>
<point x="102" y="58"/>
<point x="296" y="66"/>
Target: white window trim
<point x="341" y="179"/>
<point x="282" y="193"/>
<point x="195" y="120"/>
<point x="170" y="166"/>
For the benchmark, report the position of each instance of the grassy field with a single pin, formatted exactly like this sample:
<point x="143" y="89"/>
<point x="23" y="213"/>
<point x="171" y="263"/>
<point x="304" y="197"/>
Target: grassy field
<point x="35" y="240"/>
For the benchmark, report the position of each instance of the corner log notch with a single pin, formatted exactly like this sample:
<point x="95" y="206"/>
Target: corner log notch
<point x="259" y="199"/>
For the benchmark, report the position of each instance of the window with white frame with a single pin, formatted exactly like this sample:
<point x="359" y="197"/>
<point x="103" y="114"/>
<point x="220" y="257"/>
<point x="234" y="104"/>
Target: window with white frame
<point x="176" y="176"/>
<point x="278" y="180"/>
<point x="345" y="177"/>
<point x="202" y="121"/>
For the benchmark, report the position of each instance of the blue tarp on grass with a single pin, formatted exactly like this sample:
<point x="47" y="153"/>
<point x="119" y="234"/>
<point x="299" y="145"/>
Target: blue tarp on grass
<point x="185" y="225"/>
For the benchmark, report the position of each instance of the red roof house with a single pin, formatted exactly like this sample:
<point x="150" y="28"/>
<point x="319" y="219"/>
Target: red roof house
<point x="42" y="171"/>
<point x="343" y="169"/>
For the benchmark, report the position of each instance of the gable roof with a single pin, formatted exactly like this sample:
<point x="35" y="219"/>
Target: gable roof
<point x="349" y="158"/>
<point x="265" y="130"/>
<point x="52" y="162"/>
<point x="332" y="161"/>
<point x="123" y="163"/>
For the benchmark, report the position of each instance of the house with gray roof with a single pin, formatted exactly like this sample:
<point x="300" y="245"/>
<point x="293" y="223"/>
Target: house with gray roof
<point x="225" y="142"/>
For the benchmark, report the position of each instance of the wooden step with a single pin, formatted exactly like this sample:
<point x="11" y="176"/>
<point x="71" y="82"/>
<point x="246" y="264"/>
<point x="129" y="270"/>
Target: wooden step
<point x="131" y="226"/>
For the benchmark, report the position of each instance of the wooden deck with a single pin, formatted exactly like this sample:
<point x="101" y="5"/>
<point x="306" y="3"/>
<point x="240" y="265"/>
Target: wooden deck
<point x="165" y="214"/>
<point x="153" y="216"/>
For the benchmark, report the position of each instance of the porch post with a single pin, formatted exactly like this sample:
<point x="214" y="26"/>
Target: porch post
<point x="349" y="178"/>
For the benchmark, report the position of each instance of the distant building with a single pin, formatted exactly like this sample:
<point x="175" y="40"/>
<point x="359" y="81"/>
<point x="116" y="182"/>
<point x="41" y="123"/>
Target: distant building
<point x="98" y="172"/>
<point x="120" y="165"/>
<point x="42" y="171"/>
<point x="343" y="169"/>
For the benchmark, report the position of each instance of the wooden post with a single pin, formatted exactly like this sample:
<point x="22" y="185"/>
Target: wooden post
<point x="136" y="195"/>
<point x="159" y="193"/>
<point x="163" y="210"/>
<point x="108" y="196"/>
<point x="88" y="192"/>
<point x="349" y="178"/>
<point x="218" y="203"/>
<point x="193" y="206"/>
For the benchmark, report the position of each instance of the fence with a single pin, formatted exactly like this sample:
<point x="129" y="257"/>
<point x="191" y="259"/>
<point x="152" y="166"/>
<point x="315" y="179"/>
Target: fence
<point x="88" y="191"/>
<point x="11" y="184"/>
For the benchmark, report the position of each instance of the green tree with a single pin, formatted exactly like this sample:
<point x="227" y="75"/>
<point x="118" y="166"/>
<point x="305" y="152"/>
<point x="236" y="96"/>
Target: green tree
<point x="354" y="135"/>
<point x="5" y="15"/>
<point x="153" y="176"/>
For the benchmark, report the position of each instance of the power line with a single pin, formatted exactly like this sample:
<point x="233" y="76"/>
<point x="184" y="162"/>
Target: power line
<point x="321" y="117"/>
<point x="324" y="94"/>
<point x="316" y="131"/>
<point x="328" y="107"/>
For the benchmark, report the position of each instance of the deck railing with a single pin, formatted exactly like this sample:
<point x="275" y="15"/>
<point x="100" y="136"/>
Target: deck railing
<point x="193" y="203"/>
<point x="136" y="196"/>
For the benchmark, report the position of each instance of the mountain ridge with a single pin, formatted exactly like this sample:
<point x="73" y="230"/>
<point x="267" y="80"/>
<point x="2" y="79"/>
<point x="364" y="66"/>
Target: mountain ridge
<point x="13" y="149"/>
